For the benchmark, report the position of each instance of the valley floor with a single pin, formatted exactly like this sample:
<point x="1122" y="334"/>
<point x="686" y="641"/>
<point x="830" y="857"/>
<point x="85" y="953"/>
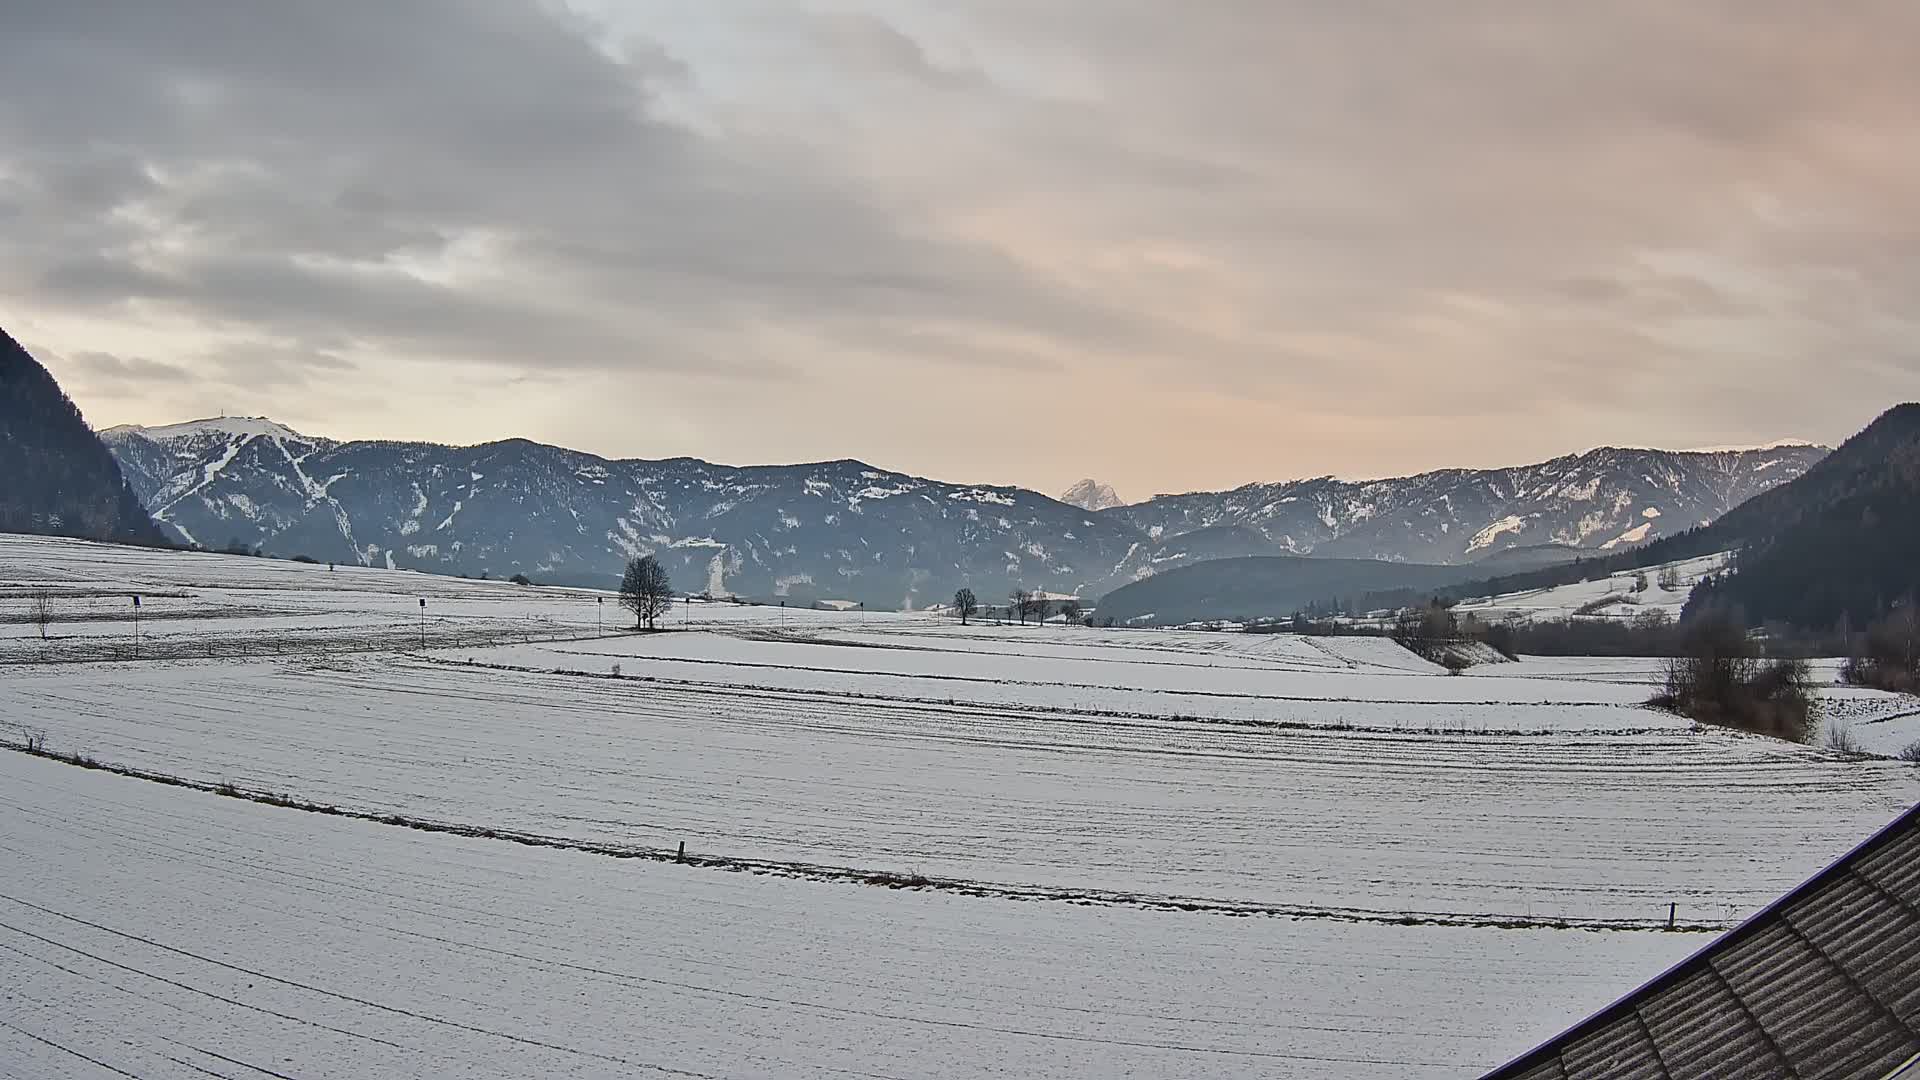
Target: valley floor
<point x="915" y="849"/>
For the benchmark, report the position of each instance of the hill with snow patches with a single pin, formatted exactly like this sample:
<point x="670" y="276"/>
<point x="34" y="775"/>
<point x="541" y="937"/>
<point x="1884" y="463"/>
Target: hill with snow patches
<point x="847" y="530"/>
<point x="1603" y="499"/>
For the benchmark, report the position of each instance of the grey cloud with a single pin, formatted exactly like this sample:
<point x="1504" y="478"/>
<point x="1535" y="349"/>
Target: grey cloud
<point x="867" y="40"/>
<point x="1515" y="226"/>
<point x="276" y="169"/>
<point x="109" y="373"/>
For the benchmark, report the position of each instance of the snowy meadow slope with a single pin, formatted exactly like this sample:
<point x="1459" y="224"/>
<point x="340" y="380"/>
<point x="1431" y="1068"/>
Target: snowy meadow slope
<point x="915" y="848"/>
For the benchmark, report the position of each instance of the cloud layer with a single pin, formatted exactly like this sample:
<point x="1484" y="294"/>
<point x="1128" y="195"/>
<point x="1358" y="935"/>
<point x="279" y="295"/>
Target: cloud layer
<point x="1171" y="245"/>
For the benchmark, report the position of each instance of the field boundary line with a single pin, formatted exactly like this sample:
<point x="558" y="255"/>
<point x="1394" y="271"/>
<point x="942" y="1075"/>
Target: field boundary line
<point x="889" y="879"/>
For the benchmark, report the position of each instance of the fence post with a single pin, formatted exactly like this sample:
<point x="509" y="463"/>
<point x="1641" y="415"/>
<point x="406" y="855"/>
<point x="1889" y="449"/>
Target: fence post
<point x="1671" y="910"/>
<point x="682" y="857"/>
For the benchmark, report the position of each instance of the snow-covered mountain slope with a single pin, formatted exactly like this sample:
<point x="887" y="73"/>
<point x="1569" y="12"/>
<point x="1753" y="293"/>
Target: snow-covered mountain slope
<point x="1603" y="499"/>
<point x="837" y="529"/>
<point x="845" y="530"/>
<point x="1090" y="494"/>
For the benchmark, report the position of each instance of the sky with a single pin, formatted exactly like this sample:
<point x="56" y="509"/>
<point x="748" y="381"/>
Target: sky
<point x="1171" y="246"/>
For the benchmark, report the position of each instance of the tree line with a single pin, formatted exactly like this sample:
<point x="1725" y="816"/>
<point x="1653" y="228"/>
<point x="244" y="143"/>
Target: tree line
<point x="1022" y="604"/>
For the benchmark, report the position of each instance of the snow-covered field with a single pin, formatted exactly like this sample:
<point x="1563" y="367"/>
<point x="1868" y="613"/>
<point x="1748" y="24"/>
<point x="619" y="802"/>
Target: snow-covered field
<point x="1879" y="722"/>
<point x="170" y="933"/>
<point x="1157" y="853"/>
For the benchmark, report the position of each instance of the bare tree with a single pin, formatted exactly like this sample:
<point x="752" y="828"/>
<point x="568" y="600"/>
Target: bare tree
<point x="1669" y="579"/>
<point x="1037" y="606"/>
<point x="967" y="604"/>
<point x="1020" y="602"/>
<point x="1070" y="609"/>
<point x="41" y="612"/>
<point x="646" y="591"/>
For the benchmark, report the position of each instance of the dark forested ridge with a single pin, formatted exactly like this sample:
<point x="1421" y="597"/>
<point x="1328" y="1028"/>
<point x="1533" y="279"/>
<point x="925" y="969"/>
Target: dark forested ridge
<point x="1842" y="543"/>
<point x="56" y="476"/>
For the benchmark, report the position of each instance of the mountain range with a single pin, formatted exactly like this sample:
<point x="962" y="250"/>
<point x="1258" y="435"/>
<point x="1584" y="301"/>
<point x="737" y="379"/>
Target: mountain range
<point x="847" y="530"/>
<point x="1832" y="546"/>
<point x="1602" y="499"/>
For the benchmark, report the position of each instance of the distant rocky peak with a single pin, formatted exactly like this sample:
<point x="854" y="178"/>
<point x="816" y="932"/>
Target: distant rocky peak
<point x="1090" y="494"/>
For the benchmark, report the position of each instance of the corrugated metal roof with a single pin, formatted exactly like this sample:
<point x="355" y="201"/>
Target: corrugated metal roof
<point x="1824" y="983"/>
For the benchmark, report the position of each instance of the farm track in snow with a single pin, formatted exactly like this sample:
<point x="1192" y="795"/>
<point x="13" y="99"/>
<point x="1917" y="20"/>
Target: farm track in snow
<point x="1089" y="686"/>
<point x="1065" y="712"/>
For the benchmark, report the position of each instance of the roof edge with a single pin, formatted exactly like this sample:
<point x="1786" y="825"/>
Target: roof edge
<point x="1747" y="928"/>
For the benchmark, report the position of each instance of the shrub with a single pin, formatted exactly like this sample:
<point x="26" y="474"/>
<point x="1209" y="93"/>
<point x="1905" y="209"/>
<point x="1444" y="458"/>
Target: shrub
<point x="1887" y="656"/>
<point x="1454" y="662"/>
<point x="1718" y="678"/>
<point x="1425" y="631"/>
<point x="1911" y="752"/>
<point x="1599" y="604"/>
<point x="1503" y="638"/>
<point x="1840" y="737"/>
<point x="520" y="579"/>
<point x="306" y="559"/>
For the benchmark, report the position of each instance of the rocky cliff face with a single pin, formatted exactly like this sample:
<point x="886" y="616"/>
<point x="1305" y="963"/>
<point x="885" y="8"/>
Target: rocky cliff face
<point x="1092" y="495"/>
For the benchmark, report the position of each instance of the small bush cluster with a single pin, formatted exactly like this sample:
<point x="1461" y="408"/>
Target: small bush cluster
<point x="1887" y="656"/>
<point x="1841" y="738"/>
<point x="1719" y="678"/>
